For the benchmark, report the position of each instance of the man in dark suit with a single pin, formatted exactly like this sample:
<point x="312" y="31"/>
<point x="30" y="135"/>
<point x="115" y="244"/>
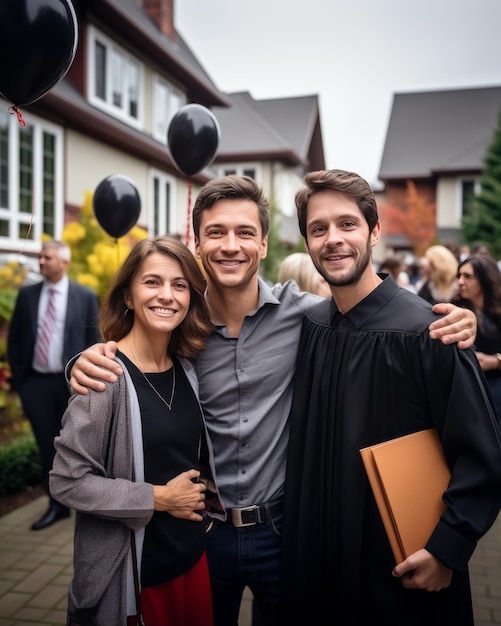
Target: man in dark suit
<point x="52" y="321"/>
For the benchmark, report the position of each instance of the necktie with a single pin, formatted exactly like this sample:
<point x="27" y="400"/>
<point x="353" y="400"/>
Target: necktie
<point x="46" y="330"/>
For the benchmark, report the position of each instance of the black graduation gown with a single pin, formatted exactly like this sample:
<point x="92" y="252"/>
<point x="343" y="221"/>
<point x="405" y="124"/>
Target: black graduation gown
<point x="362" y="378"/>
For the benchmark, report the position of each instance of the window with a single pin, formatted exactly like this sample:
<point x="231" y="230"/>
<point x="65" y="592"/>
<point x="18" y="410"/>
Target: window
<point x="241" y="170"/>
<point x="167" y="102"/>
<point x="115" y="79"/>
<point x="468" y="189"/>
<point x="162" y="218"/>
<point x="31" y="174"/>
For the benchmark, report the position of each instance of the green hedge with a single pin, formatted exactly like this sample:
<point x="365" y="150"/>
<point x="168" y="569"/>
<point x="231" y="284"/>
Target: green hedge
<point x="20" y="466"/>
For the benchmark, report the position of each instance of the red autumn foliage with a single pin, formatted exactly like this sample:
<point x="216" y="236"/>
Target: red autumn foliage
<point x="416" y="219"/>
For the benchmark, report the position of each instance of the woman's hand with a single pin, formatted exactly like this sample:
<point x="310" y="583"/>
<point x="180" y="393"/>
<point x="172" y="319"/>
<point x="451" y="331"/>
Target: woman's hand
<point x="422" y="570"/>
<point x="487" y="361"/>
<point x="181" y="496"/>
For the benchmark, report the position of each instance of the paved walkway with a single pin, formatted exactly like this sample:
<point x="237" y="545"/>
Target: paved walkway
<point x="36" y="567"/>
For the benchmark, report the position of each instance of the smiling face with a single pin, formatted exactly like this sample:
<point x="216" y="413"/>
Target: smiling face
<point x="338" y="238"/>
<point x="230" y="244"/>
<point x="159" y="295"/>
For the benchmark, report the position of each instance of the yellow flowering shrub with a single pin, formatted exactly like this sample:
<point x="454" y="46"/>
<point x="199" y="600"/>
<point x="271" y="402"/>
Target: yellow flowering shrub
<point x="12" y="276"/>
<point x="95" y="256"/>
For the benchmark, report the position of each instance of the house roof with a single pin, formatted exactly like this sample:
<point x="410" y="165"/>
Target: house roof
<point x="131" y="22"/>
<point x="286" y="129"/>
<point x="283" y="129"/>
<point x="64" y="103"/>
<point x="436" y="132"/>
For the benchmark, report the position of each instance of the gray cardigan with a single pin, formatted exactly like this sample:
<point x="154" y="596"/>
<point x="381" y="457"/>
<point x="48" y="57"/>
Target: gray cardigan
<point x="93" y="473"/>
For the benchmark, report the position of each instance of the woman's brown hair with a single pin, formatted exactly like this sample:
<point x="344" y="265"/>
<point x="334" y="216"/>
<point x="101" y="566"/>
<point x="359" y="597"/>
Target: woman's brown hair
<point x="115" y="320"/>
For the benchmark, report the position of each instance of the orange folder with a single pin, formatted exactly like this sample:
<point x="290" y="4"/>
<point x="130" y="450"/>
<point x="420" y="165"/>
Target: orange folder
<point x="408" y="476"/>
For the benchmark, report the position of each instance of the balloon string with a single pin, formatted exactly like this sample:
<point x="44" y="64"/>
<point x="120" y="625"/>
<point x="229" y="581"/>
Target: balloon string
<point x="188" y="218"/>
<point x="15" y="110"/>
<point x="31" y="221"/>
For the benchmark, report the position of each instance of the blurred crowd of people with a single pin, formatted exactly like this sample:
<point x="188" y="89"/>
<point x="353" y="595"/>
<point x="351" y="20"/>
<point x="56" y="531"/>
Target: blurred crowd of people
<point x="467" y="277"/>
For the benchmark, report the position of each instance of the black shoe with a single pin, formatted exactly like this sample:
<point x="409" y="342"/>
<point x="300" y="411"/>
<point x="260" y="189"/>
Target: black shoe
<point x="54" y="513"/>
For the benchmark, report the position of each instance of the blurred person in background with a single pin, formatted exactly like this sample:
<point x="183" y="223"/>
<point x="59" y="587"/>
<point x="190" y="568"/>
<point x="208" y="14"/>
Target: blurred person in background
<point x="480" y="247"/>
<point x="479" y="281"/>
<point x="441" y="285"/>
<point x="395" y="267"/>
<point x="52" y="320"/>
<point x="298" y="266"/>
<point x="423" y="270"/>
<point x="464" y="253"/>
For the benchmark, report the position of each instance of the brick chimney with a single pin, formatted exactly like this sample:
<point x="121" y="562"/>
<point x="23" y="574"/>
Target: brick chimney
<point x="162" y="11"/>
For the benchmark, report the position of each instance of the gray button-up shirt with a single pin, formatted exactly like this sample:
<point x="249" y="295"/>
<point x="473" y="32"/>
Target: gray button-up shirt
<point x="246" y="388"/>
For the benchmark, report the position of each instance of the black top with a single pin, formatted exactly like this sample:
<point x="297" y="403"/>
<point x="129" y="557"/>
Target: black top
<point x="362" y="378"/>
<point x="171" y="444"/>
<point x="488" y="339"/>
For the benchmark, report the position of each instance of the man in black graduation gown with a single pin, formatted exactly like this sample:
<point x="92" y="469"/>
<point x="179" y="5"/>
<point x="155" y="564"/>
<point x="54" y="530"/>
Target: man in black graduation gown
<point x="367" y="371"/>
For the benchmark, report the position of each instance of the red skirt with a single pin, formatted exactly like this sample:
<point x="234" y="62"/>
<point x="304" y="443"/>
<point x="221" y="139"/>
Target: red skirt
<point x="184" y="601"/>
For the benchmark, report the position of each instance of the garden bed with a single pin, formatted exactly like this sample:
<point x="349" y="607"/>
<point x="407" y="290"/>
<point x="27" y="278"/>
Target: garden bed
<point x="15" y="500"/>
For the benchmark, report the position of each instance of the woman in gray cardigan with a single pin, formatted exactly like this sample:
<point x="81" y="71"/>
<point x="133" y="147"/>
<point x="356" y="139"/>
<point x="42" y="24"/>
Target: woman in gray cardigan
<point x="135" y="461"/>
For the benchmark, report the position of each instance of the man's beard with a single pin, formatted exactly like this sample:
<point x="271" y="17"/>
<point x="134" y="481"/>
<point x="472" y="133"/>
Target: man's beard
<point x="353" y="275"/>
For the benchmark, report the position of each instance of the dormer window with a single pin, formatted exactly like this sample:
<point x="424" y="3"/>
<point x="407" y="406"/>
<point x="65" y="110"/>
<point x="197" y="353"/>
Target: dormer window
<point x="115" y="79"/>
<point x="167" y="102"/>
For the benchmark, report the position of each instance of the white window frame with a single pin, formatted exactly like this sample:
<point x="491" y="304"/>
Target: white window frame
<point x="240" y="169"/>
<point x="167" y="100"/>
<point x="459" y="193"/>
<point x="12" y="214"/>
<point x="286" y="193"/>
<point x="158" y="222"/>
<point x="115" y="54"/>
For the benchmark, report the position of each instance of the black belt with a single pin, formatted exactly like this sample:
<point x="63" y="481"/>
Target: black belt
<point x="254" y="514"/>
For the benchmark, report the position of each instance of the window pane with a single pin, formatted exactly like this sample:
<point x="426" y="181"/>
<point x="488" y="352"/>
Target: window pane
<point x="100" y="71"/>
<point x="175" y="103"/>
<point x="23" y="232"/>
<point x="117" y="79"/>
<point x="49" y="173"/>
<point x="161" y="110"/>
<point x="250" y="172"/>
<point x="4" y="160"/>
<point x="156" y="206"/>
<point x="4" y="228"/>
<point x="167" y="208"/>
<point x="133" y="84"/>
<point x="468" y="193"/>
<point x="25" y="169"/>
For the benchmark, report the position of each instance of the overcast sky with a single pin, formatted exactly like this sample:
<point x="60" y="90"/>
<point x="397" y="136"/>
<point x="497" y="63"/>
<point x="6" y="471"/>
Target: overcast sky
<point x="354" y="54"/>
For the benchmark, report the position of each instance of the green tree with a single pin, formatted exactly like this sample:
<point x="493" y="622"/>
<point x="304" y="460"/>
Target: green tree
<point x="482" y="221"/>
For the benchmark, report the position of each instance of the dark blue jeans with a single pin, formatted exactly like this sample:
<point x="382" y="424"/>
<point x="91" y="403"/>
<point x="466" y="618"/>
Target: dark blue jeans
<point x="244" y="557"/>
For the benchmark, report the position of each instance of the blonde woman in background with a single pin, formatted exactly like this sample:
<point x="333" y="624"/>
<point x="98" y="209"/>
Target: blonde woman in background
<point x="298" y="266"/>
<point x="395" y="266"/>
<point x="441" y="285"/>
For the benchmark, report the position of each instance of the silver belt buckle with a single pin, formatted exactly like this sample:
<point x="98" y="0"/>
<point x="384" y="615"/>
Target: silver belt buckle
<point x="236" y="516"/>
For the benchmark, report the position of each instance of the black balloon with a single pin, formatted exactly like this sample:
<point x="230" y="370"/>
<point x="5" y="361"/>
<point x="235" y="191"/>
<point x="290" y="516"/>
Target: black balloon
<point x="38" y="41"/>
<point x="116" y="204"/>
<point x="193" y="138"/>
